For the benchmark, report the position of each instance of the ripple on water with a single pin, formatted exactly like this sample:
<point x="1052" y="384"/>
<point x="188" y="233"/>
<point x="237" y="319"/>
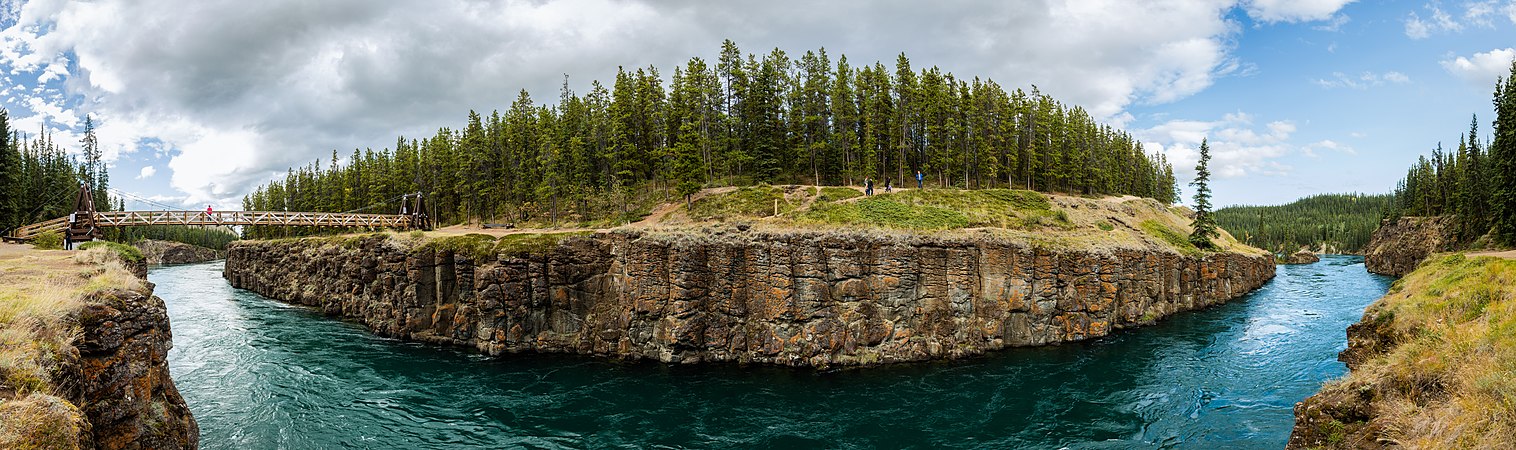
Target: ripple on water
<point x="263" y="374"/>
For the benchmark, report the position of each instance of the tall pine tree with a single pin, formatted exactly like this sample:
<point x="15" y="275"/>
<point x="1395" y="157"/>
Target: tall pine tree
<point x="10" y="176"/>
<point x="1205" y="224"/>
<point x="1502" y="159"/>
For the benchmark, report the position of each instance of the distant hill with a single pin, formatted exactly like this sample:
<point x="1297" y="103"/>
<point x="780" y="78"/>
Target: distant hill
<point x="1343" y="222"/>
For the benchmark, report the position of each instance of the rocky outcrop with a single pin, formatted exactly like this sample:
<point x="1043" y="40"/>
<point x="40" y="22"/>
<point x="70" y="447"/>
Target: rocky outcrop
<point x="802" y="299"/>
<point x="169" y="252"/>
<point x="121" y="380"/>
<point x="1342" y="415"/>
<point x="1304" y="256"/>
<point x="1398" y="246"/>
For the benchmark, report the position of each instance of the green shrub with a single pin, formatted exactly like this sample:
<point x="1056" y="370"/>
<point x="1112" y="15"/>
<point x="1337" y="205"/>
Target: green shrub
<point x="833" y="193"/>
<point x="49" y="240"/>
<point x="126" y="252"/>
<point x="1174" y="238"/>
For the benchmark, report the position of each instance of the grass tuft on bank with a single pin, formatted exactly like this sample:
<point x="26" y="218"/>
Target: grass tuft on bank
<point x="41" y="295"/>
<point x="942" y="209"/>
<point x="1449" y="381"/>
<point x="486" y="247"/>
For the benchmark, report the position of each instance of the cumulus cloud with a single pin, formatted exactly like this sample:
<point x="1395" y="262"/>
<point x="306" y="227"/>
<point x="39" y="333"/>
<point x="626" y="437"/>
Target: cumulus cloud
<point x="1482" y="68"/>
<point x="1238" y="146"/>
<point x="235" y="102"/>
<point x="1362" y="81"/>
<point x="147" y="172"/>
<point x="1294" y="10"/>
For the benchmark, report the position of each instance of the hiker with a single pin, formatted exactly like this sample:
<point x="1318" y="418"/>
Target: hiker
<point x="888" y="182"/>
<point x="868" y="186"/>
<point x="918" y="179"/>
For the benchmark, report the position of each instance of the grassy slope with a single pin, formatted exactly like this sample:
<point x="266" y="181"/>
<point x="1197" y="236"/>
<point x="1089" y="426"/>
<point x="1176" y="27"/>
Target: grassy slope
<point x="1451" y="380"/>
<point x="1044" y="220"/>
<point x="1025" y="215"/>
<point x="40" y="293"/>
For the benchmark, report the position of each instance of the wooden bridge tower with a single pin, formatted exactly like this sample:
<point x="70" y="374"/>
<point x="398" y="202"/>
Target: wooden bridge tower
<point x="81" y="224"/>
<point x="414" y="206"/>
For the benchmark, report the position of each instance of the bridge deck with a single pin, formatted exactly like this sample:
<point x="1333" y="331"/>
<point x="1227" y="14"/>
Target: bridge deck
<point x="268" y="218"/>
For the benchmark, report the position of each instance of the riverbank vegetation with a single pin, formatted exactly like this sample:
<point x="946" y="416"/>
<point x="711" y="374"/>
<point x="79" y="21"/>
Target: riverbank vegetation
<point x="1474" y="182"/>
<point x="742" y="120"/>
<point x="41" y="292"/>
<point x="1340" y="222"/>
<point x="1433" y="363"/>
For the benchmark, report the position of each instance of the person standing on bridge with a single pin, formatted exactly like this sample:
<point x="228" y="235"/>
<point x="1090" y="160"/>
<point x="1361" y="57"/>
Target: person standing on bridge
<point x="207" y="210"/>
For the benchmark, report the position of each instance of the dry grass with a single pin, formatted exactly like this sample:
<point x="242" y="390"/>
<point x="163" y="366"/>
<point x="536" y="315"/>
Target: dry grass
<point x="1452" y="381"/>
<point x="40" y="421"/>
<point x="41" y="292"/>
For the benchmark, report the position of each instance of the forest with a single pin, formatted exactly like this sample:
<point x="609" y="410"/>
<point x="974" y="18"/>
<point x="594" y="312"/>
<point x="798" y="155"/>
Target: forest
<point x="608" y="154"/>
<point x="1342" y="222"/>
<point x="39" y="180"/>
<point x="1475" y="182"/>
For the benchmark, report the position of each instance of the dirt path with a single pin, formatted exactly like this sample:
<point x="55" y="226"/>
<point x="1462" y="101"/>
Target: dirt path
<point x="1508" y="254"/>
<point x="663" y="211"/>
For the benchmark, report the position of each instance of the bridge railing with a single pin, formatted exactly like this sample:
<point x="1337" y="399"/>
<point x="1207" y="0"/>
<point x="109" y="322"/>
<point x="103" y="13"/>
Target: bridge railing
<point x="228" y="218"/>
<point x="27" y="232"/>
<point x="273" y="218"/>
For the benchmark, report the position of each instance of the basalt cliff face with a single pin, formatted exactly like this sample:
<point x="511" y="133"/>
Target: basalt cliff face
<point x="799" y="299"/>
<point x="1397" y="247"/>
<point x="121" y="380"/>
<point x="168" y="252"/>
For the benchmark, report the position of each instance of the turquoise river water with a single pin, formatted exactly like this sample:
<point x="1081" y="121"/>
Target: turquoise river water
<point x="261" y="374"/>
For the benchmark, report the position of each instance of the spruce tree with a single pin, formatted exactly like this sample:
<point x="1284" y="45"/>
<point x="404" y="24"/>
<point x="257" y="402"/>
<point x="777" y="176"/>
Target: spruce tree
<point x="10" y="177"/>
<point x="1205" y="225"/>
<point x="1502" y="160"/>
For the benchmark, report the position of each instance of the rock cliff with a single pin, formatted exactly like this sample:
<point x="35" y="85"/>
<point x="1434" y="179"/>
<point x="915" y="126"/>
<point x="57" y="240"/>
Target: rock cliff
<point x="1397" y="247"/>
<point x="1303" y="256"/>
<point x="794" y="298"/>
<point x="121" y="380"/>
<point x="168" y="252"/>
<point x="83" y="354"/>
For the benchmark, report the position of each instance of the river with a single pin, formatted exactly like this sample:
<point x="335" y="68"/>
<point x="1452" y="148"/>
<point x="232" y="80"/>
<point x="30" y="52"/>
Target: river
<point x="262" y="374"/>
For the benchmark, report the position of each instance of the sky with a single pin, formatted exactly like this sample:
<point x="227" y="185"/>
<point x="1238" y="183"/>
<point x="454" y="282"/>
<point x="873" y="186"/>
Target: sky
<point x="197" y="103"/>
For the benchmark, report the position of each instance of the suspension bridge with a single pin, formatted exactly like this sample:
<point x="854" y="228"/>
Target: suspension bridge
<point x="86" y="223"/>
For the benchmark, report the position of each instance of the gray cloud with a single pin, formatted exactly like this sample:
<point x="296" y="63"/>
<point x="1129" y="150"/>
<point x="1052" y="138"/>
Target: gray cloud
<point x="240" y="90"/>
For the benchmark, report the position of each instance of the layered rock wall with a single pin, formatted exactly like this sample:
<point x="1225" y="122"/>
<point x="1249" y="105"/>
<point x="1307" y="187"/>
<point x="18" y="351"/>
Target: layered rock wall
<point x="803" y="299"/>
<point x="121" y="380"/>
<point x="1398" y="246"/>
<point x="168" y="252"/>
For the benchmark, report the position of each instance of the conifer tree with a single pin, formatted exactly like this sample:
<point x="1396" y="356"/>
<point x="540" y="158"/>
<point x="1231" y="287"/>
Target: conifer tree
<point x="1205" y="225"/>
<point x="1502" y="160"/>
<point x="10" y="176"/>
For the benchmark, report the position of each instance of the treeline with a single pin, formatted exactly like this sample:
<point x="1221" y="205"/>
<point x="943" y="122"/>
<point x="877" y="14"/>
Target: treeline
<point x="741" y="120"/>
<point x="40" y="181"/>
<point x="1340" y="221"/>
<point x="212" y="237"/>
<point x="1476" y="183"/>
